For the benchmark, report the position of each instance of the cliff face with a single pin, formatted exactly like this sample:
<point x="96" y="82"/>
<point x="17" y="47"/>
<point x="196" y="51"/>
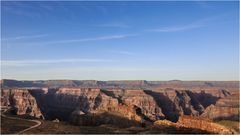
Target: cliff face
<point x="65" y="103"/>
<point x="5" y="95"/>
<point x="225" y="108"/>
<point x="88" y="105"/>
<point x="144" y="105"/>
<point x="22" y="102"/>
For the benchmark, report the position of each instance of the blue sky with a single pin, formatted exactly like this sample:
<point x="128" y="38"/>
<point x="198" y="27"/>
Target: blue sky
<point x="120" y="40"/>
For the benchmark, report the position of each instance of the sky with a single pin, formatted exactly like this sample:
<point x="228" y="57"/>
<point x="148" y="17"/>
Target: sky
<point x="120" y="40"/>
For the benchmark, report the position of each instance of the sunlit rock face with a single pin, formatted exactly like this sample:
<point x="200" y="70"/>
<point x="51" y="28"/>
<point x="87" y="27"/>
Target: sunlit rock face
<point x="79" y="105"/>
<point x="204" y="124"/>
<point x="21" y="102"/>
<point x="225" y="108"/>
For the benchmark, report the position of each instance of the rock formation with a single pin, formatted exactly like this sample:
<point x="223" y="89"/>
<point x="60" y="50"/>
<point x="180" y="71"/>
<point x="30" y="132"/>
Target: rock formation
<point x="204" y="124"/>
<point x="196" y="123"/>
<point x="96" y="106"/>
<point x="225" y="108"/>
<point x="21" y="102"/>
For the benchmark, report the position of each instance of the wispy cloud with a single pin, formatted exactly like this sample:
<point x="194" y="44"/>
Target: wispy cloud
<point x="177" y="28"/>
<point x="68" y="41"/>
<point x="114" y="25"/>
<point x="94" y="39"/>
<point x="121" y="52"/>
<point x="90" y="39"/>
<point x="49" y="61"/>
<point x="193" y="25"/>
<point x="25" y="37"/>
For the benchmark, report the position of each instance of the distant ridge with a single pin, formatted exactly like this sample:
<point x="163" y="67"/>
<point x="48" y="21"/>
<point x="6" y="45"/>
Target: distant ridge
<point x="136" y="84"/>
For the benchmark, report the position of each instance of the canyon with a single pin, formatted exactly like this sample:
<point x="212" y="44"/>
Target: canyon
<point x="132" y="103"/>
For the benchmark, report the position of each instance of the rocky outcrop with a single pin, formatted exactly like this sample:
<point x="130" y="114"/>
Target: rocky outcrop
<point x="204" y="124"/>
<point x="5" y="95"/>
<point x="93" y="104"/>
<point x="225" y="108"/>
<point x="175" y="103"/>
<point x="64" y="102"/>
<point x="190" y="122"/>
<point x="145" y="104"/>
<point x="22" y="102"/>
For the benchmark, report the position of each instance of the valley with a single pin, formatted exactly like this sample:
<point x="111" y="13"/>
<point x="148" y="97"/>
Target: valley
<point x="137" y="105"/>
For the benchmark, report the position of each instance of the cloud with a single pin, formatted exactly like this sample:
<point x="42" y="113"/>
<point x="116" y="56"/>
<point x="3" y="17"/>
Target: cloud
<point x="94" y="39"/>
<point x="177" y="28"/>
<point x="25" y="37"/>
<point x="53" y="61"/>
<point x="120" y="52"/>
<point x="114" y="25"/>
<point x="90" y="39"/>
<point x="101" y="38"/>
<point x="194" y="25"/>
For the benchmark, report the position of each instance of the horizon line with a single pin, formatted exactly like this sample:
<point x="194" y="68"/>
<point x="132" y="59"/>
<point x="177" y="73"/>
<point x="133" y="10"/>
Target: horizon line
<point x="111" y="80"/>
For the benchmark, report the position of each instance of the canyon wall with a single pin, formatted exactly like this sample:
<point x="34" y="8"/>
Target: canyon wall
<point x="21" y="102"/>
<point x="77" y="104"/>
<point x="225" y="108"/>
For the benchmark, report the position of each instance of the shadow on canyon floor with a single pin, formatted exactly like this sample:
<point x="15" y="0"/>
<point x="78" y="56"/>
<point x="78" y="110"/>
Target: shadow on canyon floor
<point x="103" y="118"/>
